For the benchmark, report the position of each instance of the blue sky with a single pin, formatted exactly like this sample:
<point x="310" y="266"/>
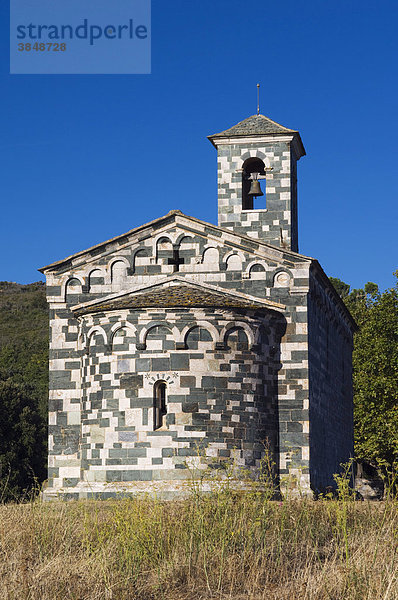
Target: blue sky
<point x="86" y="157"/>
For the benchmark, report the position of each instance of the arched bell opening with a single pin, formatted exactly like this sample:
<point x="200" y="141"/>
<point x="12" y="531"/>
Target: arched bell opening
<point x="159" y="404"/>
<point x="253" y="184"/>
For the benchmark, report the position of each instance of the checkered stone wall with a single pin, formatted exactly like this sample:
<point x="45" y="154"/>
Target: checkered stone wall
<point x="275" y="222"/>
<point x="221" y="373"/>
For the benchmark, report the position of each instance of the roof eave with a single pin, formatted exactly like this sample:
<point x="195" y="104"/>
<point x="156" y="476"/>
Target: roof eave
<point x="335" y="295"/>
<point x="300" y="151"/>
<point x="63" y="261"/>
<point x="177" y="279"/>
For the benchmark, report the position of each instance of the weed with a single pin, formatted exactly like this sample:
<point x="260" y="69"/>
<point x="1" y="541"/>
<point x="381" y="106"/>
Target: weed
<point x="236" y="542"/>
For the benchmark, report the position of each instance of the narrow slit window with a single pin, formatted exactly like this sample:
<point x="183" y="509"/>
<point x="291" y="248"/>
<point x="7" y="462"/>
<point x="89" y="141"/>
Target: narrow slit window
<point x="160" y="406"/>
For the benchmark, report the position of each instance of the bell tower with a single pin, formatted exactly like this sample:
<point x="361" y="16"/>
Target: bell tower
<point x="257" y="180"/>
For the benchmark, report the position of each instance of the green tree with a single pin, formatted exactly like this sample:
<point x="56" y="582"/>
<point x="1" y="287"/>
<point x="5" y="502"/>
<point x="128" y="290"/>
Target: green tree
<point x="343" y="289"/>
<point x="375" y="372"/>
<point x="22" y="441"/>
<point x="23" y="388"/>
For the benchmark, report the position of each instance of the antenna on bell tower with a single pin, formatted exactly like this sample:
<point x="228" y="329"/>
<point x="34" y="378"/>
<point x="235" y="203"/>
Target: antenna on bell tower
<point x="258" y="98"/>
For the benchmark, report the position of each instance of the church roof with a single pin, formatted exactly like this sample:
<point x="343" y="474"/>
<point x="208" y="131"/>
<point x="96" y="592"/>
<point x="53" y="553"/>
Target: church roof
<point x="256" y="125"/>
<point x="176" y="292"/>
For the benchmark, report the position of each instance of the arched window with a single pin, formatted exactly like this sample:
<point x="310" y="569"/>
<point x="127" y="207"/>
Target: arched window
<point x="253" y="171"/>
<point x="159" y="404"/>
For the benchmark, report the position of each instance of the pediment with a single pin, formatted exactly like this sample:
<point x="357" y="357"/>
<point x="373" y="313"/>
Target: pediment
<point x="176" y="292"/>
<point x="186" y="225"/>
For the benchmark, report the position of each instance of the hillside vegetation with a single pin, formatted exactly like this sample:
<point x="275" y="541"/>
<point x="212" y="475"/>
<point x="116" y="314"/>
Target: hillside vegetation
<point x="23" y="387"/>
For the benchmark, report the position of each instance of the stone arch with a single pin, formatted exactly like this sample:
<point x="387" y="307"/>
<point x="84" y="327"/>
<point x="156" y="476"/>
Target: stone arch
<point x="76" y="283"/>
<point x="204" y="325"/>
<point x="160" y="339"/>
<point x="232" y="252"/>
<point x="255" y="154"/>
<point x="211" y="258"/>
<point x="236" y="325"/>
<point x="199" y="338"/>
<point x="182" y="236"/>
<point x="253" y="171"/>
<point x="121" y="325"/>
<point x="256" y="270"/>
<point x="141" y="258"/>
<point x="172" y="237"/>
<point x="241" y="342"/>
<point x="163" y="248"/>
<point x="233" y="261"/>
<point x="96" y="330"/>
<point x="145" y="330"/>
<point x="117" y="259"/>
<point x="96" y="277"/>
<point x="67" y="279"/>
<point x="187" y="249"/>
<point x="118" y="269"/>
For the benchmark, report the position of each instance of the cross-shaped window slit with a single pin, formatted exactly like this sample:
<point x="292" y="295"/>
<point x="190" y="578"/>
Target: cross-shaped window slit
<point x="176" y="261"/>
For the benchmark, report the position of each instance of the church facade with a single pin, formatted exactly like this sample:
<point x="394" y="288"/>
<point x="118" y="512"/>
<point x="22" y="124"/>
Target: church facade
<point x="182" y="345"/>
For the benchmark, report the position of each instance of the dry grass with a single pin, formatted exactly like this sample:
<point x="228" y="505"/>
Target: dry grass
<point x="220" y="546"/>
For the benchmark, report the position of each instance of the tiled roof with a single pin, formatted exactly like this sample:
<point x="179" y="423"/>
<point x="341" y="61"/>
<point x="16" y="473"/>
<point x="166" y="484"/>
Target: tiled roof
<point x="254" y="125"/>
<point x="176" y="292"/>
<point x="177" y="296"/>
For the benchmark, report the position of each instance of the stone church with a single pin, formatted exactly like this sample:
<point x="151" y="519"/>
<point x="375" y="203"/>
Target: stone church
<point x="182" y="345"/>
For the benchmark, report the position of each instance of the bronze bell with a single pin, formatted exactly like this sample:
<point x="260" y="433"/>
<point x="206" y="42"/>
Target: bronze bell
<point x="255" y="189"/>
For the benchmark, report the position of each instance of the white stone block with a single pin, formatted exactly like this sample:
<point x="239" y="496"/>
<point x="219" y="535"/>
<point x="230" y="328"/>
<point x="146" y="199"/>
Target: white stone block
<point x="73" y="417"/>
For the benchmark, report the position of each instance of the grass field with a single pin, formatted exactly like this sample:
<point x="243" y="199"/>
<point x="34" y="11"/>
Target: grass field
<point x="220" y="546"/>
